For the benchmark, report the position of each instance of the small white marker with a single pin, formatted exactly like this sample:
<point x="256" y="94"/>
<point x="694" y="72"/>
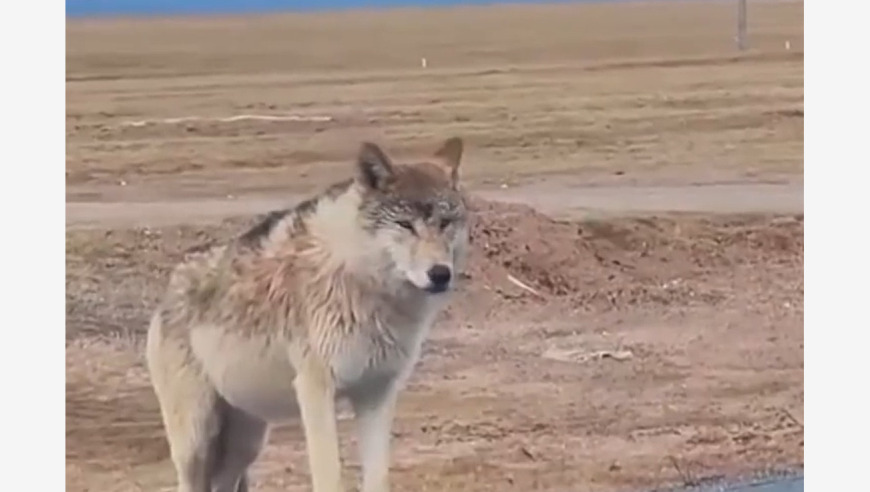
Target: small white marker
<point x="788" y="45"/>
<point x="423" y="62"/>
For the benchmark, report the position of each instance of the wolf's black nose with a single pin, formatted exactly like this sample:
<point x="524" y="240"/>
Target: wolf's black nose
<point x="439" y="275"/>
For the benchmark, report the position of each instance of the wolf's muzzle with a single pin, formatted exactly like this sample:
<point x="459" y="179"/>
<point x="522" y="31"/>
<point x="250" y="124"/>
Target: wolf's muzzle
<point x="439" y="278"/>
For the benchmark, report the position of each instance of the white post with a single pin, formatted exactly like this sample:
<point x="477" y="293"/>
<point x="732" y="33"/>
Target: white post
<point x="741" y="25"/>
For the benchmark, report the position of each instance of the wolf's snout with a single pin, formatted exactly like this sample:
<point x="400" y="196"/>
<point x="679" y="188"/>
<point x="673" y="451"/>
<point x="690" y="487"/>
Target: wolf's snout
<point x="439" y="276"/>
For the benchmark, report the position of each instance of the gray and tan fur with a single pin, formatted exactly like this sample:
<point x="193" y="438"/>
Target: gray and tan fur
<point x="331" y="299"/>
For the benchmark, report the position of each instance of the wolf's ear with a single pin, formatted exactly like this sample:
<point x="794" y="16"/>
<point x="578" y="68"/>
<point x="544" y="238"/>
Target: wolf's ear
<point x="450" y="155"/>
<point x="374" y="168"/>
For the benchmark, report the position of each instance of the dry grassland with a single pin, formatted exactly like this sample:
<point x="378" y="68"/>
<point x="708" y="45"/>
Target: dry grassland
<point x="535" y="89"/>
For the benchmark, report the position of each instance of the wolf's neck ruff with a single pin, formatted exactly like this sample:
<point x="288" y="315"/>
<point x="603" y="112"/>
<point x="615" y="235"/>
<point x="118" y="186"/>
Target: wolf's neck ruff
<point x="326" y="236"/>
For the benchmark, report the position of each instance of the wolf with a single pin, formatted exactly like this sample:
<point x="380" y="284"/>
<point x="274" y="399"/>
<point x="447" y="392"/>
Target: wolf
<point x="325" y="301"/>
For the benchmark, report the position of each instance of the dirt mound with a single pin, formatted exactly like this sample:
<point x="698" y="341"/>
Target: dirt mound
<point x="617" y="261"/>
<point x="608" y="264"/>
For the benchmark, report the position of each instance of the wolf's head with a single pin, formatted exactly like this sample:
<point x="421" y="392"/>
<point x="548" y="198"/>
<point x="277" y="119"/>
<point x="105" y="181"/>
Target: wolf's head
<point x="416" y="214"/>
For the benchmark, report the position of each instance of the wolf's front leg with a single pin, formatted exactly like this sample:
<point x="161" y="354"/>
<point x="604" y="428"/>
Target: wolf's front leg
<point x="375" y="409"/>
<point x="315" y="392"/>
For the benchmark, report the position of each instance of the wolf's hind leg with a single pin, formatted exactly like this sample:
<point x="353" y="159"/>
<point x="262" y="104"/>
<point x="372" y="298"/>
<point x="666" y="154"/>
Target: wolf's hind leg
<point x="192" y="420"/>
<point x="190" y="410"/>
<point x="242" y="437"/>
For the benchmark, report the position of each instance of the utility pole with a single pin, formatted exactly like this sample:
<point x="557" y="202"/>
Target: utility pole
<point x="741" y="25"/>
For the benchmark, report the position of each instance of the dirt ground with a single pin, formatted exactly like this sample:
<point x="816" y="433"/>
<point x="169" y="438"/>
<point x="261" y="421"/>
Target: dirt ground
<point x="642" y="178"/>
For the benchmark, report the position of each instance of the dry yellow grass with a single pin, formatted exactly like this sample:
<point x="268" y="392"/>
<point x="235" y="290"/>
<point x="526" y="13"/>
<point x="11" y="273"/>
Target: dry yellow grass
<point x="535" y="89"/>
<point x="468" y="37"/>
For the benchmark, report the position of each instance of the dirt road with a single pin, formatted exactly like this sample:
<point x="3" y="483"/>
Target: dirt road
<point x="555" y="198"/>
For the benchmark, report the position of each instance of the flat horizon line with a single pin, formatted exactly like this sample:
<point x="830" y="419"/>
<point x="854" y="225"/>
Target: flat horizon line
<point x="160" y="9"/>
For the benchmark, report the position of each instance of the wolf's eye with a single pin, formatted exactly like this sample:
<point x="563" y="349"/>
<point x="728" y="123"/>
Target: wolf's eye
<point x="444" y="224"/>
<point x="404" y="224"/>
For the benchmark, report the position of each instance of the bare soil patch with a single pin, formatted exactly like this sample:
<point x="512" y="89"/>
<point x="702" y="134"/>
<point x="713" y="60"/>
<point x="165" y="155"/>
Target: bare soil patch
<point x="650" y="340"/>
